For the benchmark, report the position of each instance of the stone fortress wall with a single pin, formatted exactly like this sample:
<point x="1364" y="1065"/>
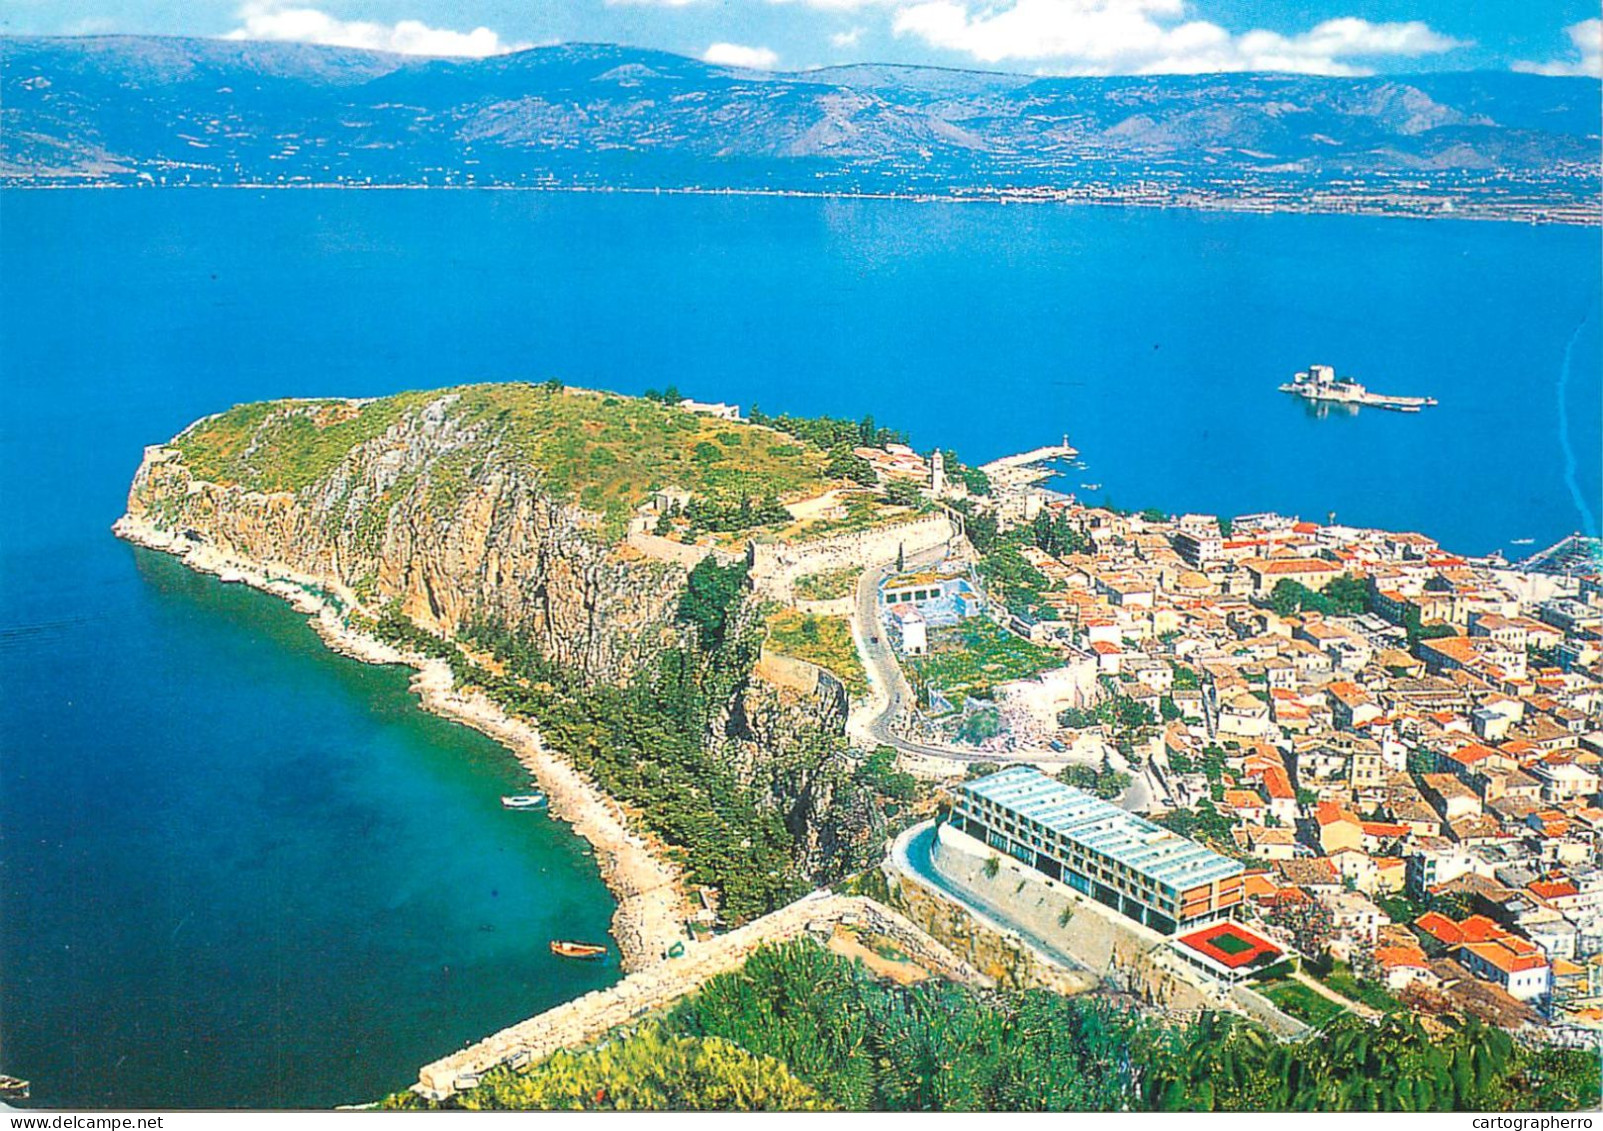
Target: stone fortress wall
<point x="775" y="566"/>
<point x="586" y="1019"/>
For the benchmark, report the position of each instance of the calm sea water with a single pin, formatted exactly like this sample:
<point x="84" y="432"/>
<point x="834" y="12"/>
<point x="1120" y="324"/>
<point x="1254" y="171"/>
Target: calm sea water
<point x="238" y="870"/>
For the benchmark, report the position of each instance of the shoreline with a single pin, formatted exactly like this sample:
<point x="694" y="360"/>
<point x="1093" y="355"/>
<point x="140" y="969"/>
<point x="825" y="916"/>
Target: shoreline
<point x="1236" y="206"/>
<point x="650" y="914"/>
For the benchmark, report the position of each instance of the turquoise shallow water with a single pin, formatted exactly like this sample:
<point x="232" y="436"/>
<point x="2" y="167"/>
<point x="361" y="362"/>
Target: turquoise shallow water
<point x="238" y="870"/>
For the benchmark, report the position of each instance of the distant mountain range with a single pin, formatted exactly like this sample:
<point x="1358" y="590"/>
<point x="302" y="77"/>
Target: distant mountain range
<point x="138" y="110"/>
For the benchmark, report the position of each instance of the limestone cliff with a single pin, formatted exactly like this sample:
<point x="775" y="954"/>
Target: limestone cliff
<point x="391" y="521"/>
<point x="788" y="742"/>
<point x="505" y="506"/>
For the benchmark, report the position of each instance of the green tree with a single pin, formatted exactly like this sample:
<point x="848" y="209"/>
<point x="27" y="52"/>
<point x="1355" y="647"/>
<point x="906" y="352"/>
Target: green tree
<point x="843" y="463"/>
<point x="902" y="493"/>
<point x="711" y="592"/>
<point x="648" y="1071"/>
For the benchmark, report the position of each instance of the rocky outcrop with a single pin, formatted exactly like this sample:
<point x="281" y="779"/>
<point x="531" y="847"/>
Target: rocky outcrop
<point x="400" y="519"/>
<point x="443" y="521"/>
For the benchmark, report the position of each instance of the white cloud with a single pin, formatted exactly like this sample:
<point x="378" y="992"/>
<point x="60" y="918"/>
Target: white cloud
<point x="843" y="5"/>
<point x="1588" y="39"/>
<point x="737" y="55"/>
<point x="847" y="38"/>
<point x="274" y="21"/>
<point x="1098" y="37"/>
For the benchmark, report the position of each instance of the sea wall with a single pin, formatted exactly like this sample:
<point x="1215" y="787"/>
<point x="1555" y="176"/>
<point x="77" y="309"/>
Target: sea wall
<point x="774" y="566"/>
<point x="586" y="1019"/>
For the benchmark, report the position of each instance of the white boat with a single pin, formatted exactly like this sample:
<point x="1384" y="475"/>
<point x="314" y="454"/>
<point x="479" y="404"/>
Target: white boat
<point x="535" y="800"/>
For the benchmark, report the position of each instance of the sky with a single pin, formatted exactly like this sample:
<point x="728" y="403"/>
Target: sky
<point x="1095" y="37"/>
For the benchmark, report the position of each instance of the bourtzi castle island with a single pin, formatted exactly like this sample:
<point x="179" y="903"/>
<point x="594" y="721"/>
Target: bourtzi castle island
<point x="893" y="761"/>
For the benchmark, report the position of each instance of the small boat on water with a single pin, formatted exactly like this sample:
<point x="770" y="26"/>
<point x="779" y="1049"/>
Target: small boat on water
<point x="1521" y="541"/>
<point x="535" y="800"/>
<point x="14" y="1088"/>
<point x="1091" y="486"/>
<point x="577" y="949"/>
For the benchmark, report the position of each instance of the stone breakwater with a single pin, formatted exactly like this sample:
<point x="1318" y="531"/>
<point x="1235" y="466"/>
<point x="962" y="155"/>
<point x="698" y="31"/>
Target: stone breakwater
<point x="586" y="1019"/>
<point x="650" y="917"/>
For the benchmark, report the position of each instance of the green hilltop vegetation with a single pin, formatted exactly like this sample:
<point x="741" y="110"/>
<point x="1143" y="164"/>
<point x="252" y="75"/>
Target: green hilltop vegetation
<point x="822" y="640"/>
<point x="608" y="453"/>
<point x="819" y="1032"/>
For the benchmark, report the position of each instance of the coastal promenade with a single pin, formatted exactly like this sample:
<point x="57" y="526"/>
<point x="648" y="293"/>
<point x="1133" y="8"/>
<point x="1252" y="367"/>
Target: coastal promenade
<point x="586" y="1019"/>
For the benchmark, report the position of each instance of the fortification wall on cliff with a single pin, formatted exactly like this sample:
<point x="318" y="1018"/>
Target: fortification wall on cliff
<point x="588" y="1018"/>
<point x="679" y="553"/>
<point x="774" y="566"/>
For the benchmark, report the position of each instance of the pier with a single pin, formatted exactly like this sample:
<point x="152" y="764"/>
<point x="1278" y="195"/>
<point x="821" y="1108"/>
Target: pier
<point x="1574" y="554"/>
<point x="1030" y="458"/>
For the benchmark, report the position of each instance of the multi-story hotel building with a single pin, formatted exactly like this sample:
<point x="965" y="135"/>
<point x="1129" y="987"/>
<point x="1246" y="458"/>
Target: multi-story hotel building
<point x="1140" y="869"/>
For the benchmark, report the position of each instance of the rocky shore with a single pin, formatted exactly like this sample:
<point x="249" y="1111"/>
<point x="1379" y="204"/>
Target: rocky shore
<point x="651" y="901"/>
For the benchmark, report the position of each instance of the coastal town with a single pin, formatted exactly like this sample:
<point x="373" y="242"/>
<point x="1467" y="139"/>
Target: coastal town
<point x="1375" y="763"/>
<point x="806" y="689"/>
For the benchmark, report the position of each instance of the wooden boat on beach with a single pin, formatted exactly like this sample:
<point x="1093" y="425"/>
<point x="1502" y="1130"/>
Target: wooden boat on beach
<point x="577" y="949"/>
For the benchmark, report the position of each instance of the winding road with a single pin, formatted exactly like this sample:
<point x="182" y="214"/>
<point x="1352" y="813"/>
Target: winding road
<point x="892" y="693"/>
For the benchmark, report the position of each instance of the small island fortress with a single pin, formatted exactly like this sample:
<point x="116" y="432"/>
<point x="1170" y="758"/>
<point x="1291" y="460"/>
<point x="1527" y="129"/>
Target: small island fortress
<point x="1320" y="383"/>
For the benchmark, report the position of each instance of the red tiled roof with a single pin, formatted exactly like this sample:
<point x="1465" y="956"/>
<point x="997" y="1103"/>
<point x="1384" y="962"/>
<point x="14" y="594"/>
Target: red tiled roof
<point x="1292" y="565"/>
<point x="1329" y="813"/>
<point x="1478" y="928"/>
<point x="1440" y="928"/>
<point x="1277" y="785"/>
<point x="1392" y="957"/>
<point x="1552" y="889"/>
<point x="1470" y="753"/>
<point x="1508" y="958"/>
<point x="1384" y="829"/>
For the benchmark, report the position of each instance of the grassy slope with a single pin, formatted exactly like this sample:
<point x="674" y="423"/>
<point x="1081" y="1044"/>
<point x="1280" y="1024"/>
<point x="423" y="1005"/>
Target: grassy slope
<point x="606" y="452"/>
<point x="825" y="641"/>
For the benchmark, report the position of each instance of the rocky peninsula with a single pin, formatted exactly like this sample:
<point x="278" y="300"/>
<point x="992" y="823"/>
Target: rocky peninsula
<point x="491" y="538"/>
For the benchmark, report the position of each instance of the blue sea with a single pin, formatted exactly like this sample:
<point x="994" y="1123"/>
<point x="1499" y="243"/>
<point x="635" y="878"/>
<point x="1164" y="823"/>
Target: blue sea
<point x="236" y="870"/>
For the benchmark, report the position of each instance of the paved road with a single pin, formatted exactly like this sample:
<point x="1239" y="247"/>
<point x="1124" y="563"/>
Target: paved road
<point x="910" y="854"/>
<point x="886" y="673"/>
<point x="896" y="694"/>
